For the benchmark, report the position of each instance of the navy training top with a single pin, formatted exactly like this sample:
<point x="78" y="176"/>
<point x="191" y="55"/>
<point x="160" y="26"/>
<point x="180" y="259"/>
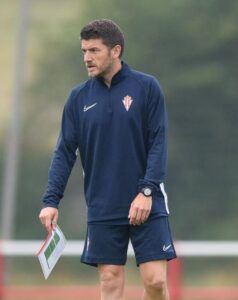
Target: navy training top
<point x="121" y="135"/>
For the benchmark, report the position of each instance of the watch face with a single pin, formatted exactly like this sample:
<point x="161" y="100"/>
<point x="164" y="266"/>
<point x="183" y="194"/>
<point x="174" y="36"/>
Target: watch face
<point x="147" y="192"/>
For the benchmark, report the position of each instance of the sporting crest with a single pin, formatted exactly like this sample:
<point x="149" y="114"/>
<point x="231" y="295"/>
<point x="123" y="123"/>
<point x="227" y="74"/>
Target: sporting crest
<point x="127" y="101"/>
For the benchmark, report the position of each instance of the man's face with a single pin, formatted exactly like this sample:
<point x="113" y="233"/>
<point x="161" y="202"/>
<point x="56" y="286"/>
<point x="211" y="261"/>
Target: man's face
<point x="98" y="57"/>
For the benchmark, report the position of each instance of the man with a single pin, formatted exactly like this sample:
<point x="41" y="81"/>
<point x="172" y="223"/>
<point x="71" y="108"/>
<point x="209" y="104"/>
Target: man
<point x="117" y="122"/>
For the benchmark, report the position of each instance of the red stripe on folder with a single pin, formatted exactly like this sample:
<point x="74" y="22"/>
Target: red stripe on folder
<point x="46" y="240"/>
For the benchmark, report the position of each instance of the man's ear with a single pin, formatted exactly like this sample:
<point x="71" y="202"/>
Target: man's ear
<point x="116" y="51"/>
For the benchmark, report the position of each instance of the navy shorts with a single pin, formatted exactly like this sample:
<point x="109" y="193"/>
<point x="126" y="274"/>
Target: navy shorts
<point x="108" y="244"/>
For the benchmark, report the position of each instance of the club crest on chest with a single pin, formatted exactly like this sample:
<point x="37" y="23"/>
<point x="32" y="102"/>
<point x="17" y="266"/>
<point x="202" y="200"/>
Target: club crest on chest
<point x="127" y="101"/>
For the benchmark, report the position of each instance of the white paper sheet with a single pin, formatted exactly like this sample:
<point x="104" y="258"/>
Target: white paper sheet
<point x="51" y="251"/>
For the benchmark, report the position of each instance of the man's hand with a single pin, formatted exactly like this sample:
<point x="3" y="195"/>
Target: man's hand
<point x="140" y="209"/>
<point x="49" y="217"/>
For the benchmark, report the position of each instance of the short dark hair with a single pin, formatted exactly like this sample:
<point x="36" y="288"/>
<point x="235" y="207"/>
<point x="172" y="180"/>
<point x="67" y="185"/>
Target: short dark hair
<point x="104" y="29"/>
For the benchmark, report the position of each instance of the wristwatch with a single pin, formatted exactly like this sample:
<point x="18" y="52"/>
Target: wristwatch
<point x="146" y="191"/>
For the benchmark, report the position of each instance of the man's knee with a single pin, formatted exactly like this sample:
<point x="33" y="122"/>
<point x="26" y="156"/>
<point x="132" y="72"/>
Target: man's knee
<point x="156" y="284"/>
<point x="154" y="275"/>
<point x="111" y="278"/>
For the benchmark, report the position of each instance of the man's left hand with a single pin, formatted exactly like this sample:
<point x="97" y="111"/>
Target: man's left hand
<point x="140" y="209"/>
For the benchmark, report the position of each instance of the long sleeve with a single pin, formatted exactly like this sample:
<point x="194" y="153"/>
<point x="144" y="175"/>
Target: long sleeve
<point x="63" y="158"/>
<point x="157" y="127"/>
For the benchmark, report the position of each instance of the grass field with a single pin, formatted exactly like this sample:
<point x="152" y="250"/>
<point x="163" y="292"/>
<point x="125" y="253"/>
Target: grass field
<point x="69" y="271"/>
<point x="201" y="279"/>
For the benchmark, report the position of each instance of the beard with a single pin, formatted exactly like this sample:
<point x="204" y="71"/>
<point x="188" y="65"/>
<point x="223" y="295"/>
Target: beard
<point x="105" y="70"/>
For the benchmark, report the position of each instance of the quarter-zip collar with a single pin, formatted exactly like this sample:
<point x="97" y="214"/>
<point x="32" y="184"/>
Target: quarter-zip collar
<point x="121" y="74"/>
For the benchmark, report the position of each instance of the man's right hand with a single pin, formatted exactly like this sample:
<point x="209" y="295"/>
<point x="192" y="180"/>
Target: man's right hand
<point x="49" y="217"/>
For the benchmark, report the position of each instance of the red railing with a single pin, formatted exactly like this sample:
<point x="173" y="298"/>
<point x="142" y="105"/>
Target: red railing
<point x="174" y="279"/>
<point x="1" y="274"/>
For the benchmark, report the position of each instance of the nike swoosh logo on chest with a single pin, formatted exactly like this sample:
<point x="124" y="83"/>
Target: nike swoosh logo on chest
<point x="89" y="107"/>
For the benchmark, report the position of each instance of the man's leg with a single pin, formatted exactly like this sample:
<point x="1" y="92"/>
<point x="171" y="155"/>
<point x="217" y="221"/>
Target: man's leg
<point x="153" y="245"/>
<point x="112" y="280"/>
<point x="154" y="276"/>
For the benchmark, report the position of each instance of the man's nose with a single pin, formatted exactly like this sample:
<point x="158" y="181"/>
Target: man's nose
<point x="87" y="57"/>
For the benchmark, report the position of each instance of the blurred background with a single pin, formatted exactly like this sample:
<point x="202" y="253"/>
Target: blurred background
<point x="192" y="48"/>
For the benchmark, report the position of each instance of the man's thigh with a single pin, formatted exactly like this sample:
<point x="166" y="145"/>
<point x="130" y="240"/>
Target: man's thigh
<point x="152" y="240"/>
<point x="105" y="244"/>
